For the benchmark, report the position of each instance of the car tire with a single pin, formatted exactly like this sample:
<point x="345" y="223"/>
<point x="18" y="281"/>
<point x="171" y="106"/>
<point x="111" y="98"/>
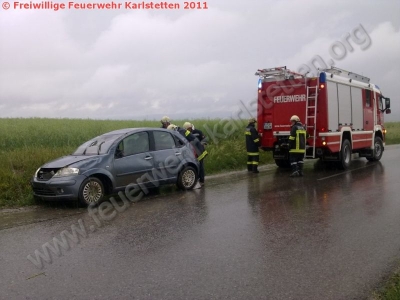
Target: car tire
<point x="91" y="191"/>
<point x="378" y="150"/>
<point x="345" y="155"/>
<point x="187" y="178"/>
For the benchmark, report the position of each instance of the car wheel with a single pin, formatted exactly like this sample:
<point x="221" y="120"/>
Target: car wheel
<point x="378" y="150"/>
<point x="91" y="191"/>
<point x="345" y="155"/>
<point x="187" y="178"/>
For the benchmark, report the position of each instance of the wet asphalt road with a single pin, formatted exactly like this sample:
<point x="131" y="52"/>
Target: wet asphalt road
<point x="329" y="235"/>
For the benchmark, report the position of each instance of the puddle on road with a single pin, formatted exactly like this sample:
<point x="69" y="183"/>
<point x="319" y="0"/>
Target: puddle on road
<point x="26" y="215"/>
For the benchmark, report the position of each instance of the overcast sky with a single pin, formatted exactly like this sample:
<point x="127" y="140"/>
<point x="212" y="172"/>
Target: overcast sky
<point x="143" y="64"/>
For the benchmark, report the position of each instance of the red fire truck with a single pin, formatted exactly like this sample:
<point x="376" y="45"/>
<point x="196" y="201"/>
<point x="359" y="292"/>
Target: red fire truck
<point x="342" y="111"/>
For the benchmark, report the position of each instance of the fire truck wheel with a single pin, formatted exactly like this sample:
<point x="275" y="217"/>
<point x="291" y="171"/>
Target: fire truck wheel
<point x="378" y="150"/>
<point x="345" y="155"/>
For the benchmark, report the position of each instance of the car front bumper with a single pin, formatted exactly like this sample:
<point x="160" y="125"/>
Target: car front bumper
<point x="55" y="189"/>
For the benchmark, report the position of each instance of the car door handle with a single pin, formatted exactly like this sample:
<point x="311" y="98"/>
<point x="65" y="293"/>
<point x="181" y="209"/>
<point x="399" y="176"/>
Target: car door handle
<point x="148" y="157"/>
<point x="177" y="153"/>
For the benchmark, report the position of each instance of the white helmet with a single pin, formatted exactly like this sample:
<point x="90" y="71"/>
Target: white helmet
<point x="187" y="125"/>
<point x="172" y="127"/>
<point x="165" y="119"/>
<point x="295" y="118"/>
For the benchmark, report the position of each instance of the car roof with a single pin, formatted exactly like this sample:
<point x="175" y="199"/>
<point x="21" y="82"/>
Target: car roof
<point x="125" y="131"/>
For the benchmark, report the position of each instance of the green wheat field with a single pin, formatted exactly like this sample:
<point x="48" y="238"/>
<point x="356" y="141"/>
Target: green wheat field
<point x="26" y="144"/>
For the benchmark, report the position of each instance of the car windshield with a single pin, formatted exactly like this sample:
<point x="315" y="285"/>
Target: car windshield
<point x="98" y="145"/>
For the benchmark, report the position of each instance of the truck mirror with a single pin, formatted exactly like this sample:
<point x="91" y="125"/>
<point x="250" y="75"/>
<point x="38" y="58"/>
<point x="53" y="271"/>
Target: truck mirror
<point x="387" y="102"/>
<point x="388" y="111"/>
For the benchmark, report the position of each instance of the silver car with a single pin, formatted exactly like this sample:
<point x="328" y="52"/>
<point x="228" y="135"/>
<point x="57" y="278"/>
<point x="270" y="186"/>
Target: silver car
<point x="135" y="157"/>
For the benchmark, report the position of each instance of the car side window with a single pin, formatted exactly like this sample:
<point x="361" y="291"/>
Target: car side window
<point x="178" y="142"/>
<point x="133" y="144"/>
<point x="163" y="140"/>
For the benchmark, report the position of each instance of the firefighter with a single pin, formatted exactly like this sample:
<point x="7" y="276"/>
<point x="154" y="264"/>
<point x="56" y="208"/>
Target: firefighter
<point x="196" y="132"/>
<point x="252" y="144"/>
<point x="297" y="146"/>
<point x="186" y="133"/>
<point x="201" y="137"/>
<point x="199" y="148"/>
<point x="165" y="122"/>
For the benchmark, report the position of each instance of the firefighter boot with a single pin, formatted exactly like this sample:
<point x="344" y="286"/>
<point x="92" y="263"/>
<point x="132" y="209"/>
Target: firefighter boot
<point x="249" y="167"/>
<point x="300" y="169"/>
<point x="255" y="169"/>
<point x="295" y="171"/>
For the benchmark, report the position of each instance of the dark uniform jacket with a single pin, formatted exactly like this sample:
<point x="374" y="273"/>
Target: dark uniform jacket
<point x="199" y="148"/>
<point x="297" y="139"/>
<point x="199" y="134"/>
<point x="252" y="139"/>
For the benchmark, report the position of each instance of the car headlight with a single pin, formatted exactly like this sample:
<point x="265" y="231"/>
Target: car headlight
<point x="37" y="171"/>
<point x="66" y="172"/>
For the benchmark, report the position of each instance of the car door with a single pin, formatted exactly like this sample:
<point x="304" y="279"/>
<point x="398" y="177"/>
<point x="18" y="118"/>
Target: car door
<point x="133" y="159"/>
<point x="167" y="156"/>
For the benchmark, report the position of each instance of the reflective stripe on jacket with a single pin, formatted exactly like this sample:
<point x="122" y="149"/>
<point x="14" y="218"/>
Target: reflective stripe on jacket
<point x="297" y="139"/>
<point x="252" y="139"/>
<point x="198" y="147"/>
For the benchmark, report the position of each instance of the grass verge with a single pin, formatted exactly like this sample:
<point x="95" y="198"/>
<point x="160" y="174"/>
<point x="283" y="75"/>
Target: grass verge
<point x="390" y="289"/>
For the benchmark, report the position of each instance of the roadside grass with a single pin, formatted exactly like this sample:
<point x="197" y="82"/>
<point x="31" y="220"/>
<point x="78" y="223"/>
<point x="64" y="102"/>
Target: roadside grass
<point x="390" y="289"/>
<point x="393" y="133"/>
<point x="26" y="144"/>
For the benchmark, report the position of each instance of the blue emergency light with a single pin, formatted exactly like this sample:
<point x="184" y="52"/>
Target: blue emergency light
<point x="259" y="83"/>
<point x="322" y="77"/>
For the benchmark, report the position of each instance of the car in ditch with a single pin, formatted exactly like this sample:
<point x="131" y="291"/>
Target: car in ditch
<point x="134" y="157"/>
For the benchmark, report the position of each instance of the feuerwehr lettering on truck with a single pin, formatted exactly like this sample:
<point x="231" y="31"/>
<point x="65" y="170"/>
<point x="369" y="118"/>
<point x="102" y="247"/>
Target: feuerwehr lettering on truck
<point x="289" y="98"/>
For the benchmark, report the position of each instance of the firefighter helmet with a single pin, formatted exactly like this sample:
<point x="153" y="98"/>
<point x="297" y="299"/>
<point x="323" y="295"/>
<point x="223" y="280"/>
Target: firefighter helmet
<point x="187" y="125"/>
<point x="165" y="120"/>
<point x="295" y="118"/>
<point x="172" y="127"/>
<point x="252" y="120"/>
